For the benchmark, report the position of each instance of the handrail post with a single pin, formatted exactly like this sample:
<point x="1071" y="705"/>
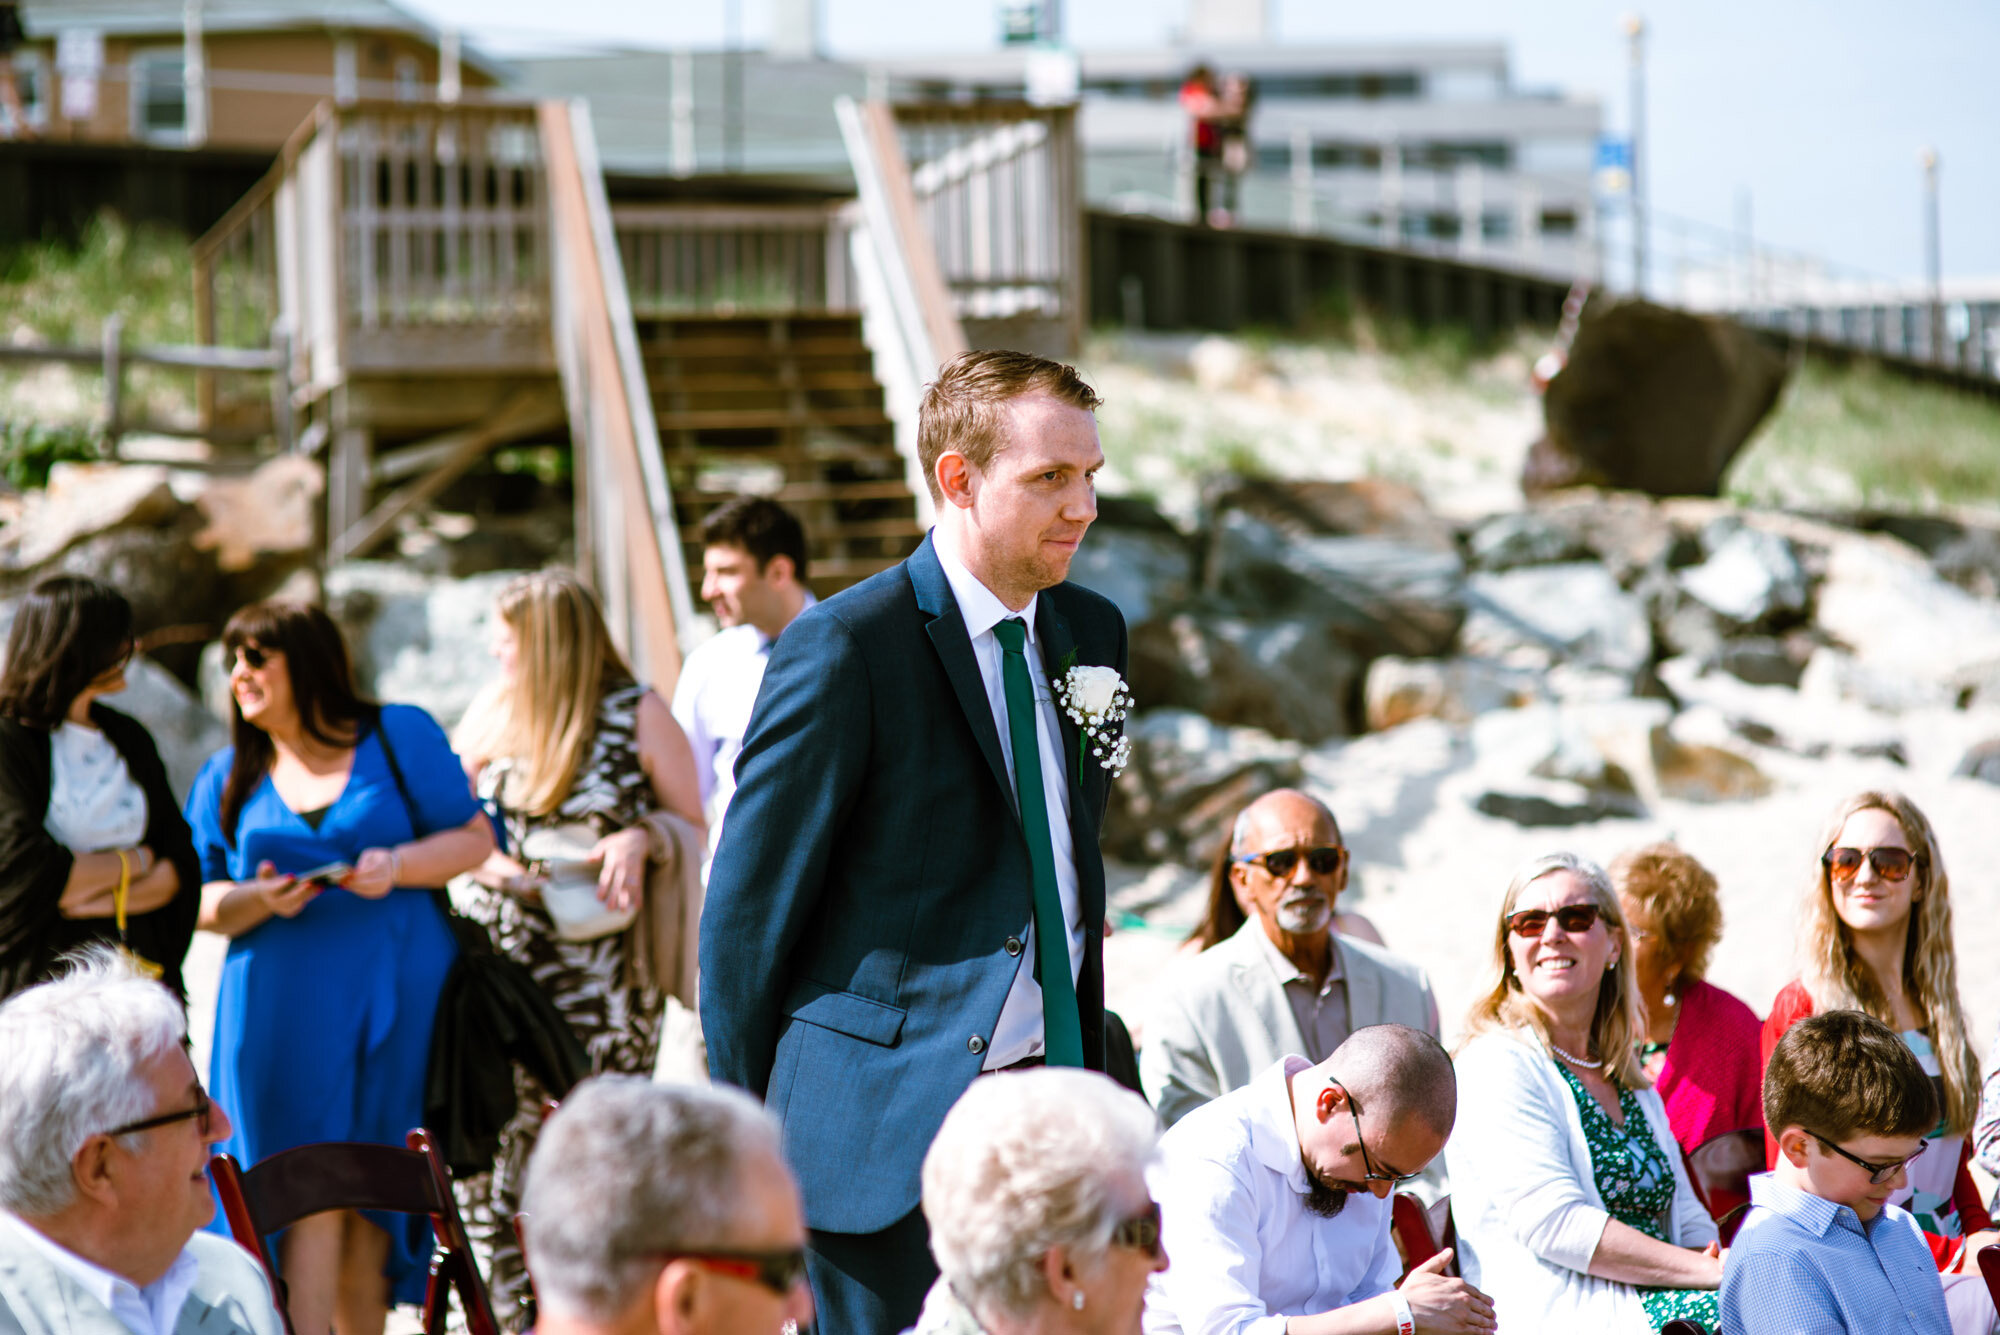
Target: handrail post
<point x="283" y="426"/>
<point x="114" y="375"/>
<point x="204" y="332"/>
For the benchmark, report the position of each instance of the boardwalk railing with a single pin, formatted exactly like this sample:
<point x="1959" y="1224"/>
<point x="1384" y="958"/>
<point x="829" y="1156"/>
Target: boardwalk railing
<point x="696" y="259"/>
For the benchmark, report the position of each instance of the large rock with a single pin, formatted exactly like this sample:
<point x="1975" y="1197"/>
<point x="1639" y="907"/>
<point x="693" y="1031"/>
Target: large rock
<point x="1751" y="577"/>
<point x="1522" y="538"/>
<point x="417" y="640"/>
<point x="1187" y="779"/>
<point x="1378" y="595"/>
<point x="183" y="729"/>
<point x="1369" y="507"/>
<point x="1136" y="558"/>
<point x="81" y="500"/>
<point x="1456" y="690"/>
<point x="270" y="511"/>
<point x="1901" y="621"/>
<point x="1290" y="678"/>
<point x="1572" y="612"/>
<point x="1654" y="400"/>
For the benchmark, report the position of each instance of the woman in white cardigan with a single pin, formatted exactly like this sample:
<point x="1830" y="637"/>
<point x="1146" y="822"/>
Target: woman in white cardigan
<point x="1572" y="1206"/>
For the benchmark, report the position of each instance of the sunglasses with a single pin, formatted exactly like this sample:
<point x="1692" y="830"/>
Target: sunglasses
<point x="199" y="1113"/>
<point x="1280" y="862"/>
<point x="1367" y="1161"/>
<point x="779" y="1271"/>
<point x="1844" y="864"/>
<point x="254" y="656"/>
<point x="1141" y="1232"/>
<point x="1878" y="1173"/>
<point x="1576" y="919"/>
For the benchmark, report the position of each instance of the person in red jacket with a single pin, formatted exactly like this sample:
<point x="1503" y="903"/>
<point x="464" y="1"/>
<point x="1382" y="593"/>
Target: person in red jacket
<point x="1875" y="936"/>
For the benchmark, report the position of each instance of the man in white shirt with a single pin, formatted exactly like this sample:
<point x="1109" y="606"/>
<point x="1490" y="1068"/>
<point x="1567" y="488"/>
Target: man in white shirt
<point x="754" y="578"/>
<point x="105" y="1135"/>
<point x="1275" y="1199"/>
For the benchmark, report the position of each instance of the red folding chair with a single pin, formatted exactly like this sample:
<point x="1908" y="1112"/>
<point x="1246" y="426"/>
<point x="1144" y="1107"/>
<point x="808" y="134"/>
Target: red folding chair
<point x="1720" y="1170"/>
<point x="1989" y="1268"/>
<point x="277" y="1192"/>
<point x="1422" y="1231"/>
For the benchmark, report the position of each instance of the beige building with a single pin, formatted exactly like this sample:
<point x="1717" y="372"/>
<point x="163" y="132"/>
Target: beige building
<point x="243" y="74"/>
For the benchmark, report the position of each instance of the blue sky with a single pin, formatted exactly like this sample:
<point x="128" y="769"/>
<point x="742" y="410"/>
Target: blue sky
<point x="1817" y="109"/>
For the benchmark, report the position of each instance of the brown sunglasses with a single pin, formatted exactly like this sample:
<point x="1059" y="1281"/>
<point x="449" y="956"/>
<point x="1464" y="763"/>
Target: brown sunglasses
<point x="1891" y="864"/>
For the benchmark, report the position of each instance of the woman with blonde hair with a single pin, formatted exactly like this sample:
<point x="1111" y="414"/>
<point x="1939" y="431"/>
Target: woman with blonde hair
<point x="570" y="754"/>
<point x="1572" y="1206"/>
<point x="1875" y="935"/>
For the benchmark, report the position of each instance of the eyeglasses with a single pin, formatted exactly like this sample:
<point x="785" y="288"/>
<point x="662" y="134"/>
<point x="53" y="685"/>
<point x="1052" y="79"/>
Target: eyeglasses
<point x="1394" y="1179"/>
<point x="1878" y="1173"/>
<point x="1844" y="864"/>
<point x="1280" y="862"/>
<point x="778" y="1271"/>
<point x="1576" y="919"/>
<point x="254" y="656"/>
<point x="200" y="1113"/>
<point x="1141" y="1232"/>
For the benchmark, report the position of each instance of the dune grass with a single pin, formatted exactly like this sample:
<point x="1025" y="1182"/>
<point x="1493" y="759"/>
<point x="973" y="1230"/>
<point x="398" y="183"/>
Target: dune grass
<point x="1860" y="435"/>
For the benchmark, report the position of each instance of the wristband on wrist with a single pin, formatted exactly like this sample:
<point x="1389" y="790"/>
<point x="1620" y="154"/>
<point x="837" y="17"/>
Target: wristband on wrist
<point x="1406" y="1323"/>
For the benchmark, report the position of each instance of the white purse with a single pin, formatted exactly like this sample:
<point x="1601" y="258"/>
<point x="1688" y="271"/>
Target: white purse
<point x="569" y="892"/>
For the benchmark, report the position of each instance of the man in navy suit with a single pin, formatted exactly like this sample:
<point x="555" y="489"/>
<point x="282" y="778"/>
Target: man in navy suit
<point x="898" y="904"/>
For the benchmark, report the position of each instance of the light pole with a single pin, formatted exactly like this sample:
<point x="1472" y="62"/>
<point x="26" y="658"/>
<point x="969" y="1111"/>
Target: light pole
<point x="1933" y="264"/>
<point x="1635" y="32"/>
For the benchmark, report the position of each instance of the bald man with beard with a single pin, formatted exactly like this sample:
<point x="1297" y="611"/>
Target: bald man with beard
<point x="1286" y="983"/>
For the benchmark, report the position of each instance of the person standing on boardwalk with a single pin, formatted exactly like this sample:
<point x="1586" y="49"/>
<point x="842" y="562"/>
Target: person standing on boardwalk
<point x="908" y="893"/>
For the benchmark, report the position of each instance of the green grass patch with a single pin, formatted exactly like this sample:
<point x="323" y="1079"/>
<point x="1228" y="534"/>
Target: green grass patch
<point x="1861" y="435"/>
<point x="29" y="449"/>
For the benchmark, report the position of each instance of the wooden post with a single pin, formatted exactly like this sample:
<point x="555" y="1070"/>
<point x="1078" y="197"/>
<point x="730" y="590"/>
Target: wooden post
<point x="283" y="425"/>
<point x="204" y="333"/>
<point x="114" y="378"/>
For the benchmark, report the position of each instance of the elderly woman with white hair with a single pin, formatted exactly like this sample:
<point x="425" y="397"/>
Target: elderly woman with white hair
<point x="1035" y="1193"/>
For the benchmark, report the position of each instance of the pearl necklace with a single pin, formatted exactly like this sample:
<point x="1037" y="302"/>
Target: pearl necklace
<point x="1576" y="1061"/>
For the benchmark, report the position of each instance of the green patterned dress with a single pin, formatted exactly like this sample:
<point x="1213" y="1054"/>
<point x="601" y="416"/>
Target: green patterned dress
<point x="1636" y="1180"/>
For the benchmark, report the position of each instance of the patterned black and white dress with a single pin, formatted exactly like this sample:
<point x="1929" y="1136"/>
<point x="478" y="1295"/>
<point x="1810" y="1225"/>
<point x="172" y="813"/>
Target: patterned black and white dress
<point x="618" y="1024"/>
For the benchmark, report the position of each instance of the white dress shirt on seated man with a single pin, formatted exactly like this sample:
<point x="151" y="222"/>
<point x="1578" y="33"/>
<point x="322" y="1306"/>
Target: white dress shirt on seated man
<point x="1245" y="1252"/>
<point x="1019" y="1031"/>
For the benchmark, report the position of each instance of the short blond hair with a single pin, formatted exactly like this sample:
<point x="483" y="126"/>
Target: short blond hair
<point x="1670" y="884"/>
<point x="961" y="412"/>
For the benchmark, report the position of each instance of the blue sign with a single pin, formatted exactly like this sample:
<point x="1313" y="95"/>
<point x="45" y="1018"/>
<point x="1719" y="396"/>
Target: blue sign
<point x="1614" y="154"/>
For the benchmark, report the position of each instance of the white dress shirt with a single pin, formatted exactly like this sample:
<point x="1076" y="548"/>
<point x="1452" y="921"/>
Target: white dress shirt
<point x="712" y="702"/>
<point x="1246" y="1253"/>
<point x="1019" y="1031"/>
<point x="153" y="1310"/>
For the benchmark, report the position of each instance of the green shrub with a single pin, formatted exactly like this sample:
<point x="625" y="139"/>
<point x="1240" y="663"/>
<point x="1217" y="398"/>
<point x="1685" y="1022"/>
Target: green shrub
<point x="29" y="449"/>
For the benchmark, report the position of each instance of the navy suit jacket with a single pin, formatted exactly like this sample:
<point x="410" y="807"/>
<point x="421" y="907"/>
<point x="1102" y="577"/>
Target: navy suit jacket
<point x="865" y="907"/>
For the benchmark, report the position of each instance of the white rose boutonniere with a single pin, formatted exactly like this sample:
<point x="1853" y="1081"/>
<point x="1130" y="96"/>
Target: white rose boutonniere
<point x="1096" y="698"/>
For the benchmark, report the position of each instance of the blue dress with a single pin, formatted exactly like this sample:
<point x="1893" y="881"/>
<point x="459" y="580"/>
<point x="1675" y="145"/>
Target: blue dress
<point x="323" y="1020"/>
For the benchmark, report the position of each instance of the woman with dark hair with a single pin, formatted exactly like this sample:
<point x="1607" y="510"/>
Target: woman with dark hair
<point x="323" y="832"/>
<point x="92" y="844"/>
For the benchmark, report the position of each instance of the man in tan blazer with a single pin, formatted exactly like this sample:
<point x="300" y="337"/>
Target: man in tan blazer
<point x="1286" y="982"/>
<point x="105" y="1134"/>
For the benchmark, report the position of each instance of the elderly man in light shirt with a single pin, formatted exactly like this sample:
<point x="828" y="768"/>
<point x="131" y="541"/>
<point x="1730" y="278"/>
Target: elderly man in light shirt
<point x="1275" y="1199"/>
<point x="104" y="1147"/>
<point x="754" y="579"/>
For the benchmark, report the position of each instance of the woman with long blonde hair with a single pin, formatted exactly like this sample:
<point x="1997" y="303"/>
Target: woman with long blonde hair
<point x="571" y="754"/>
<point x="1572" y="1205"/>
<point x="1875" y="935"/>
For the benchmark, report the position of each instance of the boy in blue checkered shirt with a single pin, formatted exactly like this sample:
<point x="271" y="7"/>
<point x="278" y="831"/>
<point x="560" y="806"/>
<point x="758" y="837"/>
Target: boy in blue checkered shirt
<point x="1822" y="1250"/>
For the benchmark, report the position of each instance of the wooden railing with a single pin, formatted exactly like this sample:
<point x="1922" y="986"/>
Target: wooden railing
<point x="627" y="539"/>
<point x="997" y="188"/>
<point x="782" y="259"/>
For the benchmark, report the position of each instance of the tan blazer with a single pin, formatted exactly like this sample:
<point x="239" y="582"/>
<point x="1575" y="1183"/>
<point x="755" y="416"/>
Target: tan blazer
<point x="1222" y="1017"/>
<point x="230" y="1295"/>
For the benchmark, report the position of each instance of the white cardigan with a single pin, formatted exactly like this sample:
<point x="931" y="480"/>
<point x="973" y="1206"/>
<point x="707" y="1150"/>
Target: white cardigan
<point x="1524" y="1200"/>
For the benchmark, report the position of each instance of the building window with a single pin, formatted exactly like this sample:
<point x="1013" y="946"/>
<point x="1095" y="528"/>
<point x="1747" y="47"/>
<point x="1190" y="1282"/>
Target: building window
<point x="409" y="79"/>
<point x="1558" y="222"/>
<point x="31" y="81"/>
<point x="1496" y="226"/>
<point x="1340" y="87"/>
<point x="159" y="96"/>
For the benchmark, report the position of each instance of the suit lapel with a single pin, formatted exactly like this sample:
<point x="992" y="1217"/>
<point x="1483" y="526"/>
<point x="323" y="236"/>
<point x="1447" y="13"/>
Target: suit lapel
<point x="200" y="1317"/>
<point x="954" y="649"/>
<point x="1364" y="989"/>
<point x="1266" y="995"/>
<point x="45" y="1301"/>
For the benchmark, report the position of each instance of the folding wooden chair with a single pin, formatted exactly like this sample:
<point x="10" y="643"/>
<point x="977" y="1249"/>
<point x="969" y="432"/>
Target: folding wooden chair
<point x="276" y="1193"/>
<point x="1422" y="1231"/>
<point x="1720" y="1169"/>
<point x="1989" y="1268"/>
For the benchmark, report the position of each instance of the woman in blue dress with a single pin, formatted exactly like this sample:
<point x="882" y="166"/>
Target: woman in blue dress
<point x="323" y="1019"/>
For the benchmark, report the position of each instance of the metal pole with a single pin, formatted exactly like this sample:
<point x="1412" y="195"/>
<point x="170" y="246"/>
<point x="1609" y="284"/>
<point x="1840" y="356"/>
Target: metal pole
<point x="1635" y="30"/>
<point x="1933" y="262"/>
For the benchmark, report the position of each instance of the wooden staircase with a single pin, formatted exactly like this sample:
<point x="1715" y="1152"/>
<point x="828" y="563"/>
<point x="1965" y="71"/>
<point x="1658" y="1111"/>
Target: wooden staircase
<point x="785" y="406"/>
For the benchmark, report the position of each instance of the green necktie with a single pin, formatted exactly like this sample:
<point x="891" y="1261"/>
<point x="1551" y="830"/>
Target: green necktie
<point x="1062" y="1030"/>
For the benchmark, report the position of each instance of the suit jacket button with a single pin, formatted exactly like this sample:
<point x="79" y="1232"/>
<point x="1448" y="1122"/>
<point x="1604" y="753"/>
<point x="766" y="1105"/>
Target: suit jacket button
<point x="975" y="1045"/>
<point x="1013" y="945"/>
